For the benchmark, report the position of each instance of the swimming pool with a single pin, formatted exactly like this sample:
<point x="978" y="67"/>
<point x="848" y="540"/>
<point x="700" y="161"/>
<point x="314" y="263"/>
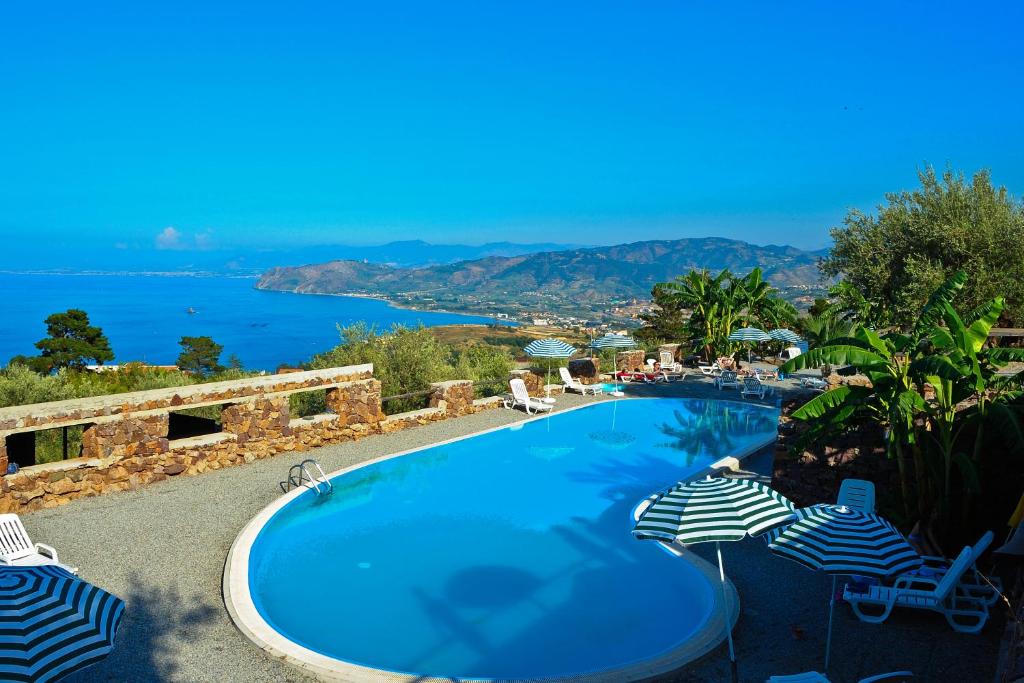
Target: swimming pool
<point x="502" y="555"/>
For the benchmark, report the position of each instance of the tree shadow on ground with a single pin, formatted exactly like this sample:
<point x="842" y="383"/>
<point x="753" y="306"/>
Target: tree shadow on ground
<point x="157" y="623"/>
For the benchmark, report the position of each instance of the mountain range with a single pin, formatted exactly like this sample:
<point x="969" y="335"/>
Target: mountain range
<point x="591" y="274"/>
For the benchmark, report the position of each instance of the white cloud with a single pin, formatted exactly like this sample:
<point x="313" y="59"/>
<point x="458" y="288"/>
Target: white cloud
<point x="204" y="240"/>
<point x="169" y="238"/>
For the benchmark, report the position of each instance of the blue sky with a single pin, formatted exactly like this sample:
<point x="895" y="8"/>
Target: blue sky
<point x="262" y="124"/>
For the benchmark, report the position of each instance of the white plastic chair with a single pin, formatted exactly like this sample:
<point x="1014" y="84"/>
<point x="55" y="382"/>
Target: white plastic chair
<point x="18" y="550"/>
<point x="857" y="494"/>
<point x="964" y="613"/>
<point x="974" y="583"/>
<point x="728" y="379"/>
<point x="572" y="384"/>
<point x="753" y="387"/>
<point x="669" y="363"/>
<point x="521" y="397"/>
<point x="709" y="370"/>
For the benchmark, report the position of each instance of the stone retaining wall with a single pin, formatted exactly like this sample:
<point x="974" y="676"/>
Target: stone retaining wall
<point x="128" y="447"/>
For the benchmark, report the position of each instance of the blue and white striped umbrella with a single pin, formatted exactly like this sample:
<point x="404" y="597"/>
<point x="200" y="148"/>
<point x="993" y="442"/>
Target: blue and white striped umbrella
<point x="53" y="623"/>
<point x="840" y="540"/>
<point x="788" y="336"/>
<point x="549" y="348"/>
<point x="613" y="341"/>
<point x="749" y="334"/>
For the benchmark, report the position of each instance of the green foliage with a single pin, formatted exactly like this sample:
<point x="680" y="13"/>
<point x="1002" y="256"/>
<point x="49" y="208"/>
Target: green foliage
<point x="919" y="239"/>
<point x="666" y="320"/>
<point x="410" y="359"/>
<point x="938" y="392"/>
<point x="200" y="355"/>
<point x="71" y="342"/>
<point x="20" y="386"/>
<point x="717" y="305"/>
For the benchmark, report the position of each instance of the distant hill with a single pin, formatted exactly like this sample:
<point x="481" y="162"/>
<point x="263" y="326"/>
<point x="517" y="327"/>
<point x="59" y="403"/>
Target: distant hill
<point x="596" y="273"/>
<point x="254" y="260"/>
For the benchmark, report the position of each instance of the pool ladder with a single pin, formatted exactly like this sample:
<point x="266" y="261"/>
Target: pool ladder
<point x="300" y="475"/>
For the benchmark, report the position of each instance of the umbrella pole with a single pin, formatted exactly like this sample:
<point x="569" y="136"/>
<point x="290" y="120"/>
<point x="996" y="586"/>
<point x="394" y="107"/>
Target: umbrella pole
<point x="831" y="608"/>
<point x="725" y="604"/>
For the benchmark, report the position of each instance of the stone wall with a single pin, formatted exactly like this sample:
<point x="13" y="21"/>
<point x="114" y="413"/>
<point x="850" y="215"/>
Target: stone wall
<point x="454" y="397"/>
<point x="630" y="360"/>
<point x="586" y="370"/>
<point x="129" y="448"/>
<point x="534" y="382"/>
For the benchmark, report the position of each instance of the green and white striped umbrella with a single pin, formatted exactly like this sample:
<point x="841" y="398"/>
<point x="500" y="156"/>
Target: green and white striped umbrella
<point x="52" y="623"/>
<point x="549" y="348"/>
<point x="749" y="334"/>
<point x="788" y="336"/>
<point x="840" y="540"/>
<point x="714" y="509"/>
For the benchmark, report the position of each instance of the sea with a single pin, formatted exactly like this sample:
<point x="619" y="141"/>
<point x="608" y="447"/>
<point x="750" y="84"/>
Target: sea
<point x="144" y="315"/>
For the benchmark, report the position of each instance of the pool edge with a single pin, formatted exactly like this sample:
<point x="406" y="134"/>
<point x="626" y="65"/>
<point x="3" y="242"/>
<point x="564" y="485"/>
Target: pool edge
<point x="246" y="618"/>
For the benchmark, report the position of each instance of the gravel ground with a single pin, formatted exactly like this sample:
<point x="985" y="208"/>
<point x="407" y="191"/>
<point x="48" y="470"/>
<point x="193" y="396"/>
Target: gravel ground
<point x="162" y="548"/>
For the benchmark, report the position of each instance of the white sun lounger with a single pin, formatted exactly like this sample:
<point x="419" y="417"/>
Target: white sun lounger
<point x="754" y="387"/>
<point x="973" y="583"/>
<point x="572" y="384"/>
<point x="709" y="370"/>
<point x="669" y="364"/>
<point x="964" y="613"/>
<point x="18" y="550"/>
<point x="728" y="379"/>
<point x="521" y="397"/>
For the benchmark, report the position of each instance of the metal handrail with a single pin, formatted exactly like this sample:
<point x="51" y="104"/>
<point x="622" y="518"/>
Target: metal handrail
<point x="306" y="479"/>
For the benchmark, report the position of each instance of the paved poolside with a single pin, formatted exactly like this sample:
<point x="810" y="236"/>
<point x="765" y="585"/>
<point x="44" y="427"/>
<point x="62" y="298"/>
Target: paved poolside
<point x="162" y="548"/>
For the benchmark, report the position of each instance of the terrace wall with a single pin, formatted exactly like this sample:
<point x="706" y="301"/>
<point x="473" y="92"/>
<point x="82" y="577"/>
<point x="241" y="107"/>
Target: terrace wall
<point x="126" y="445"/>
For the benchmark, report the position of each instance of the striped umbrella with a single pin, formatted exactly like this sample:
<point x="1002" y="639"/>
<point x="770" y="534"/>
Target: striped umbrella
<point x="840" y="540"/>
<point x="784" y="335"/>
<point x="614" y="341"/>
<point x="749" y="334"/>
<point x="714" y="510"/>
<point x="549" y="348"/>
<point x="52" y="623"/>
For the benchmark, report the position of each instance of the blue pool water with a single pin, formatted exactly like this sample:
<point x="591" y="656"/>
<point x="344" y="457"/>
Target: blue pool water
<point x="507" y="554"/>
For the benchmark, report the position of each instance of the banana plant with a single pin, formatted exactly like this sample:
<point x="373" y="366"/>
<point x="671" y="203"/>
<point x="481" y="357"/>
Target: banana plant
<point x="892" y="400"/>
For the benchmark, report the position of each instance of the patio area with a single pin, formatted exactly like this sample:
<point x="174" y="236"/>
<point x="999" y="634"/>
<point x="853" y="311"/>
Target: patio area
<point x="162" y="548"/>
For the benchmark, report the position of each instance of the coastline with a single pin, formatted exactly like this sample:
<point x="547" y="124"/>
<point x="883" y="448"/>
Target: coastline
<point x="394" y="304"/>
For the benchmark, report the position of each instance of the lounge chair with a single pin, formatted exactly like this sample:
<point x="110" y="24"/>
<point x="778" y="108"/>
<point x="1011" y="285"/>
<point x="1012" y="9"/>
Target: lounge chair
<point x="813" y="383"/>
<point x="18" y="550"/>
<point x="728" y="379"/>
<point x="709" y="370"/>
<point x="752" y="386"/>
<point x="857" y="494"/>
<point x="964" y="613"/>
<point x="815" y="677"/>
<point x="973" y="583"/>
<point x="670" y="364"/>
<point x="521" y="397"/>
<point x="572" y="384"/>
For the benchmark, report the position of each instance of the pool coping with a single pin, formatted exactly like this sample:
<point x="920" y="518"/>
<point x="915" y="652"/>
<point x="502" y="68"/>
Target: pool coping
<point x="245" y="616"/>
